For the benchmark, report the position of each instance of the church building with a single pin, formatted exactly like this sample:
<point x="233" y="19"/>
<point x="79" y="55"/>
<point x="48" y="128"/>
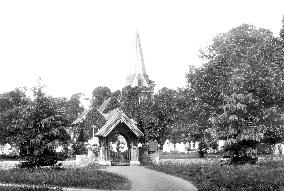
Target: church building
<point x="117" y="123"/>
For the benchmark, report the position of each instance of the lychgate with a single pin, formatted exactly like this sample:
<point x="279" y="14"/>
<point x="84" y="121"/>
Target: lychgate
<point x="117" y="123"/>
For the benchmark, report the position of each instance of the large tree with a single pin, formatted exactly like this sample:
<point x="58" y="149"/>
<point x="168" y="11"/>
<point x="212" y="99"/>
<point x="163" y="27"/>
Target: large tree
<point x="155" y="114"/>
<point x="37" y="129"/>
<point x="241" y="85"/>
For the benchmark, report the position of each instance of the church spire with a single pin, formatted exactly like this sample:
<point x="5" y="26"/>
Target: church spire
<point x="138" y="75"/>
<point x="139" y="60"/>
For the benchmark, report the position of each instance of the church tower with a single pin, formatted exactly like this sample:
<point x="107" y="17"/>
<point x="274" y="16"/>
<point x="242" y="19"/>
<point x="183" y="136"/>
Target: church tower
<point x="138" y="75"/>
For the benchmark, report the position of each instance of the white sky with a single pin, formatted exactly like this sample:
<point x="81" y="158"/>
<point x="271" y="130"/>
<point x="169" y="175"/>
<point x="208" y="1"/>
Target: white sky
<point x="75" y="46"/>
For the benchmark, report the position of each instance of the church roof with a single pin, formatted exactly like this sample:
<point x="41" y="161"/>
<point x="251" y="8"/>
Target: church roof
<point x="104" y="105"/>
<point x="86" y="111"/>
<point x="81" y="116"/>
<point x="115" y="117"/>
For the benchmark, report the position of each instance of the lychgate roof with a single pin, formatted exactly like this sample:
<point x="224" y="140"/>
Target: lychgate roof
<point x="115" y="117"/>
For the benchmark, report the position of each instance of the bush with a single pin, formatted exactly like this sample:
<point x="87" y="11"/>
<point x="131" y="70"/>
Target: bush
<point x="79" y="148"/>
<point x="9" y="157"/>
<point x="48" y="158"/>
<point x="242" y="152"/>
<point x="144" y="158"/>
<point x="202" y="148"/>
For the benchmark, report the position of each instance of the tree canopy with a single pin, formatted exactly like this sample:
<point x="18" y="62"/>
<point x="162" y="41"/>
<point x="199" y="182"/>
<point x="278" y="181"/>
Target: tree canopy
<point x="36" y="127"/>
<point x="241" y="85"/>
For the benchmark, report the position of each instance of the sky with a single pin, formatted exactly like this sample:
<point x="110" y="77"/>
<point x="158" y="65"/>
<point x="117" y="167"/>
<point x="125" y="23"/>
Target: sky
<point x="75" y="46"/>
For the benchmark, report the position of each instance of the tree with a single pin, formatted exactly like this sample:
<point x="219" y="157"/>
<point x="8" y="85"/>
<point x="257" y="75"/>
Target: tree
<point x="38" y="129"/>
<point x="11" y="103"/>
<point x="134" y="107"/>
<point x="154" y="114"/>
<point x="74" y="107"/>
<point x="241" y="86"/>
<point x="162" y="115"/>
<point x="100" y="94"/>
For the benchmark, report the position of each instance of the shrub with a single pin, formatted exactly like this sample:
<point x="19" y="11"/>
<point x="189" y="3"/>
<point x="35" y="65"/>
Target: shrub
<point x="241" y="152"/>
<point x="48" y="158"/>
<point x="79" y="148"/>
<point x="144" y="157"/>
<point x="202" y="148"/>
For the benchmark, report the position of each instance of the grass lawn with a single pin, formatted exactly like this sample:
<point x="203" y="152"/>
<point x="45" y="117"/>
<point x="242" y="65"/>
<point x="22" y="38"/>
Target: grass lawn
<point x="177" y="155"/>
<point x="6" y="188"/>
<point x="267" y="176"/>
<point x="85" y="177"/>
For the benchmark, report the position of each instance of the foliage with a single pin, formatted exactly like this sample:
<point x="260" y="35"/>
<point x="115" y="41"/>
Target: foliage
<point x="86" y="177"/>
<point x="211" y="176"/>
<point x="161" y="115"/>
<point x="73" y="107"/>
<point x="93" y="118"/>
<point x="154" y="114"/>
<point x="79" y="148"/>
<point x="38" y="129"/>
<point x="11" y="104"/>
<point x="202" y="148"/>
<point x="239" y="88"/>
<point x="82" y="136"/>
<point x="100" y="94"/>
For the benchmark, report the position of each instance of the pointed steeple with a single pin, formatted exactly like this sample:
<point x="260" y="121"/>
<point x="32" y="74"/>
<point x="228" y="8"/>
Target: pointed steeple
<point x="139" y="60"/>
<point x="138" y="75"/>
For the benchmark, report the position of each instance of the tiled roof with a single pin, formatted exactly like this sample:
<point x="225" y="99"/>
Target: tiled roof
<point x="81" y="116"/>
<point x="86" y="111"/>
<point x="115" y="118"/>
<point x="104" y="105"/>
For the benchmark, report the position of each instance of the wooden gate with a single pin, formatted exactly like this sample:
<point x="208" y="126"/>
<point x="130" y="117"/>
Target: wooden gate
<point x="120" y="158"/>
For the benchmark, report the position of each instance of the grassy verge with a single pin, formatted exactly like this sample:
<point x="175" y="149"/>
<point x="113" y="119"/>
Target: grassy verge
<point x="213" y="176"/>
<point x="86" y="177"/>
<point x="6" y="188"/>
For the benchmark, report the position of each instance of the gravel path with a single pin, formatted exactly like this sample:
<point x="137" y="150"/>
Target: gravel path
<point x="144" y="179"/>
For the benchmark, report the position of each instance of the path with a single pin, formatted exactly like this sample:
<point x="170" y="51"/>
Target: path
<point x="144" y="179"/>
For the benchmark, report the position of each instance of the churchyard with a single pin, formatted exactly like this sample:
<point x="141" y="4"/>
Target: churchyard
<point x="223" y="131"/>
